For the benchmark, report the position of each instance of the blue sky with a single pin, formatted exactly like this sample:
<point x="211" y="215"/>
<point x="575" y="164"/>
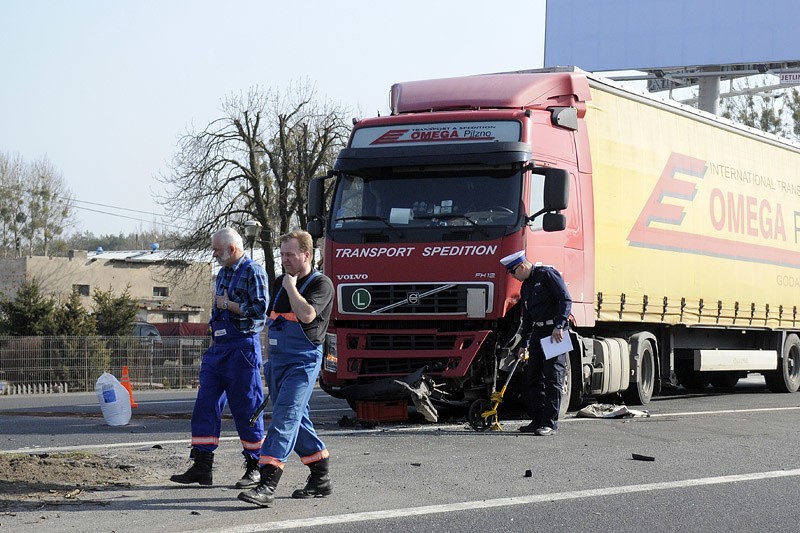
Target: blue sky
<point x="104" y="88"/>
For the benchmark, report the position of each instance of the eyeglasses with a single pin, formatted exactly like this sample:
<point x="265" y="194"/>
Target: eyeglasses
<point x="512" y="270"/>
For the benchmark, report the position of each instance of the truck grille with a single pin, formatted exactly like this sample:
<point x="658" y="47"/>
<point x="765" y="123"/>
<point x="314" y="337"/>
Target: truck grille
<point x="372" y="367"/>
<point x="410" y="342"/>
<point x="410" y="299"/>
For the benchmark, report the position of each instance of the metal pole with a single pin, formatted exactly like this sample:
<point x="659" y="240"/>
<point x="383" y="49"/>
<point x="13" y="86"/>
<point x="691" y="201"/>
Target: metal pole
<point x="708" y="94"/>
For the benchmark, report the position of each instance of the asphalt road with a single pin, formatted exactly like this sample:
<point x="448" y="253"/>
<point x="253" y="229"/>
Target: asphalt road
<point x="722" y="462"/>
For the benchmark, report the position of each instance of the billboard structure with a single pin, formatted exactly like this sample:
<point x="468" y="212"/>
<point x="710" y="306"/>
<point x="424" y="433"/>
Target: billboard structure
<point x="675" y="42"/>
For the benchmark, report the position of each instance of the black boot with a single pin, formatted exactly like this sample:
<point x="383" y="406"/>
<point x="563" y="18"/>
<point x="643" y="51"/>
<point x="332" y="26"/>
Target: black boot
<point x="318" y="484"/>
<point x="251" y="475"/>
<point x="199" y="472"/>
<point x="264" y="493"/>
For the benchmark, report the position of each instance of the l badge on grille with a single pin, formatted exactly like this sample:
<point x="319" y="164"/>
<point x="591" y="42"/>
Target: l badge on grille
<point x="361" y="299"/>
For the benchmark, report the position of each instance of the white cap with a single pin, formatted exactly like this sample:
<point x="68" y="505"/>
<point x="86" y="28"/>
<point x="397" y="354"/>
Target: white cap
<point x="512" y="260"/>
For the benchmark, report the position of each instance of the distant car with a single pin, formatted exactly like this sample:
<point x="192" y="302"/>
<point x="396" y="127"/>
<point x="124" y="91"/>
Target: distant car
<point x="143" y="329"/>
<point x="150" y="340"/>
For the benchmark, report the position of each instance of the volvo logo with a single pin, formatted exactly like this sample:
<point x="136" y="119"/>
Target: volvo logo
<point x="413" y="298"/>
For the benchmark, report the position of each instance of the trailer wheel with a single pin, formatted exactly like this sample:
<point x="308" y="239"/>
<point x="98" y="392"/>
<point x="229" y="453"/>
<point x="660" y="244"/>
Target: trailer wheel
<point x="566" y="389"/>
<point x="690" y="378"/>
<point x="725" y="380"/>
<point x="639" y="393"/>
<point x="787" y="377"/>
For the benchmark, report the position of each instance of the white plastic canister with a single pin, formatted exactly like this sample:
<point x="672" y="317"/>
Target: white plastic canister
<point x="115" y="402"/>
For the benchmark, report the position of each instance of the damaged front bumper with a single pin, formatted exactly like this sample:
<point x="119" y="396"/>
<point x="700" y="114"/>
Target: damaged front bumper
<point x="382" y="390"/>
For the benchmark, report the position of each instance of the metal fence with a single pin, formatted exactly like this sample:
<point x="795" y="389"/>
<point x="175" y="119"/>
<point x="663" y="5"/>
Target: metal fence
<point x="37" y="365"/>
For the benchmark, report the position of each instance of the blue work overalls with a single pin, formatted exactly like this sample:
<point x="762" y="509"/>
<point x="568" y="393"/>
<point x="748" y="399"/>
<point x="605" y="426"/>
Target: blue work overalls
<point x="231" y="367"/>
<point x="291" y="372"/>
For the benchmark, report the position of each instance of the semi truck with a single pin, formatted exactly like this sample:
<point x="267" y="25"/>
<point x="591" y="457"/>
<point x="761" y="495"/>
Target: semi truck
<point x="675" y="230"/>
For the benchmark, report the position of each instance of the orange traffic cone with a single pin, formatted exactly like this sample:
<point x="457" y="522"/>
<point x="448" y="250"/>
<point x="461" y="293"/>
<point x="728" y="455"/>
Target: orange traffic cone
<point x="126" y="382"/>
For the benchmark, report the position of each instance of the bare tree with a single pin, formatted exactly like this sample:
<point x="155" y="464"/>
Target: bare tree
<point x="792" y="102"/>
<point x="770" y="110"/>
<point x="12" y="170"/>
<point x="49" y="205"/>
<point x="305" y="143"/>
<point x="35" y="205"/>
<point x="252" y="163"/>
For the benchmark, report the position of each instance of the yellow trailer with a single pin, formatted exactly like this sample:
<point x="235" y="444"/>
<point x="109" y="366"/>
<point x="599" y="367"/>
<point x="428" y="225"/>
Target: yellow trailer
<point x="696" y="227"/>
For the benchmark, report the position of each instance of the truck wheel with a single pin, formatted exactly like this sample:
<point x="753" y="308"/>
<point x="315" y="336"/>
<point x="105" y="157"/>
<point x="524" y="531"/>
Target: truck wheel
<point x="787" y="377"/>
<point x="725" y="380"/>
<point x="690" y="378"/>
<point x="639" y="393"/>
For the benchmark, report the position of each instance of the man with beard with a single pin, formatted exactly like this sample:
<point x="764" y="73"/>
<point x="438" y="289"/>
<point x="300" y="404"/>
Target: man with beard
<point x="231" y="368"/>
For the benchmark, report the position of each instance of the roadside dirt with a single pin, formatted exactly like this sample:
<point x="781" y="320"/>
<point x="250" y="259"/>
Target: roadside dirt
<point x="35" y="481"/>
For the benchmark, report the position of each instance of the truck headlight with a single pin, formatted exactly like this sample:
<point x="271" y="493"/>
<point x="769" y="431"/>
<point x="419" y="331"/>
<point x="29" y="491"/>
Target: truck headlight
<point x="331" y="363"/>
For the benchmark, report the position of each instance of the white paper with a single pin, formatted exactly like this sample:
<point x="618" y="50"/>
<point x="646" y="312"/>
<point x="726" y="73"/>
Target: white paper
<point x="400" y="215"/>
<point x="552" y="349"/>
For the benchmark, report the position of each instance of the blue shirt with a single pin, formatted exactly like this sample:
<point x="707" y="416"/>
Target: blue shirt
<point x="545" y="297"/>
<point x="250" y="293"/>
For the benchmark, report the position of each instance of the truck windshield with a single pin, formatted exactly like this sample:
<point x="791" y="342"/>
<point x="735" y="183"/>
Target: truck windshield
<point x="419" y="200"/>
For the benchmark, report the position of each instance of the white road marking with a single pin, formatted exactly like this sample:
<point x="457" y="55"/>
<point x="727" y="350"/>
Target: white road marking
<point x="726" y="411"/>
<point x="361" y="431"/>
<point x="502" y="502"/>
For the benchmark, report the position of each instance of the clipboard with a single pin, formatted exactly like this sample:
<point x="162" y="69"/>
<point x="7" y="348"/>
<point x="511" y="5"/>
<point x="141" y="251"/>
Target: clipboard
<point x="552" y="349"/>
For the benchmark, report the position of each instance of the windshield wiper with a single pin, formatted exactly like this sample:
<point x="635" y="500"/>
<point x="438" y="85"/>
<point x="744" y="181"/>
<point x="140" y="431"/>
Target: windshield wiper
<point x="370" y="218"/>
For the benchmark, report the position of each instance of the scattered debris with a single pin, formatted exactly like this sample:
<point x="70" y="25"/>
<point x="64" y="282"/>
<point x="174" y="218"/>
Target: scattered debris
<point x="346" y="422"/>
<point x="421" y="396"/>
<point x="637" y="457"/>
<point x="608" y="410"/>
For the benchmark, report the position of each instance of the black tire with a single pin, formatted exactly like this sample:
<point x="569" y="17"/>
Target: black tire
<point x="690" y="378"/>
<point x="639" y="393"/>
<point x="725" y="380"/>
<point x="474" y="418"/>
<point x="787" y="377"/>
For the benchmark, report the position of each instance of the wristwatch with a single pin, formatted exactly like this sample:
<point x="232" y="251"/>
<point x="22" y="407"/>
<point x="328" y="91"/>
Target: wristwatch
<point x="225" y="304"/>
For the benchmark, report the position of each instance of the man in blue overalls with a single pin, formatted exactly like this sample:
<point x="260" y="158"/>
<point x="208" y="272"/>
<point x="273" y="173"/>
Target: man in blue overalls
<point x="231" y="368"/>
<point x="298" y="321"/>
<point x="546" y="308"/>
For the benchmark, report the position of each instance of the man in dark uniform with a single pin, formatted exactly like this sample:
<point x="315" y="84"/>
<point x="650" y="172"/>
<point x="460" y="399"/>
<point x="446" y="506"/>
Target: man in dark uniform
<point x="546" y="308"/>
<point x="298" y="321"/>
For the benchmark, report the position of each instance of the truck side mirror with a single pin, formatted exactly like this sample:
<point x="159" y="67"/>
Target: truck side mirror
<point x="556" y="189"/>
<point x="553" y="222"/>
<point x="555" y="197"/>
<point x="315" y="227"/>
<point x="316" y="197"/>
